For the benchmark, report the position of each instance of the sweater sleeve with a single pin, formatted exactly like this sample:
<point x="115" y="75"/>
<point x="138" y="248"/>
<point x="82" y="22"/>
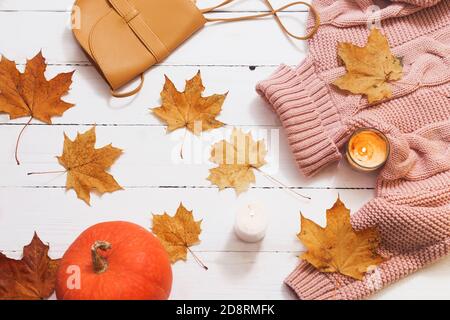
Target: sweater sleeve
<point x="414" y="224"/>
<point x="302" y="101"/>
<point x="318" y="118"/>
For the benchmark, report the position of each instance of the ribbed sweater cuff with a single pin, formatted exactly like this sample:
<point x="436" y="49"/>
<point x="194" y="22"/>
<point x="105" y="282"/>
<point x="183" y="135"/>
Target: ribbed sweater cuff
<point x="310" y="284"/>
<point x="307" y="113"/>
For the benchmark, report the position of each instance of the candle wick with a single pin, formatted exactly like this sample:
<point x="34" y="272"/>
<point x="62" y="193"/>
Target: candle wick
<point x="252" y="212"/>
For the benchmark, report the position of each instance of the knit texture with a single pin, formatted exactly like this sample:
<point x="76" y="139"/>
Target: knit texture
<point x="412" y="206"/>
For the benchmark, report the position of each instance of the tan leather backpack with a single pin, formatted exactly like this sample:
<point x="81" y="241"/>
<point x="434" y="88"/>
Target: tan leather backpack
<point x="124" y="38"/>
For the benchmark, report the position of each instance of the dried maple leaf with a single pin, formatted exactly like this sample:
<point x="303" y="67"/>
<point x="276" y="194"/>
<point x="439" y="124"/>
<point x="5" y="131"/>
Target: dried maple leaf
<point x="189" y="109"/>
<point x="237" y="160"/>
<point x="369" y="68"/>
<point x="177" y="233"/>
<point x="337" y="247"/>
<point x="30" y="94"/>
<point x="31" y="278"/>
<point x="86" y="165"/>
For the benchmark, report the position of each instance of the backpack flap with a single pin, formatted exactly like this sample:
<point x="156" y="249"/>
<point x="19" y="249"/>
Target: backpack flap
<point x="126" y="37"/>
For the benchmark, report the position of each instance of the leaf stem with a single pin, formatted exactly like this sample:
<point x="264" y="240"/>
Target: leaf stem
<point x="197" y="259"/>
<point x="18" y="140"/>
<point x="285" y="187"/>
<point x="182" y="144"/>
<point x="46" y="172"/>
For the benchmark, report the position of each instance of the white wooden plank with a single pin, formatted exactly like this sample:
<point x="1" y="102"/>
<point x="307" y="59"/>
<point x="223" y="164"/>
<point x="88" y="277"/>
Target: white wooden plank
<point x="260" y="276"/>
<point x="251" y="5"/>
<point x="150" y="169"/>
<point x="243" y="275"/>
<point x="94" y="104"/>
<point x="241" y="271"/>
<point x="246" y="42"/>
<point x="66" y="5"/>
<point x="220" y="282"/>
<point x="152" y="158"/>
<point x="58" y="216"/>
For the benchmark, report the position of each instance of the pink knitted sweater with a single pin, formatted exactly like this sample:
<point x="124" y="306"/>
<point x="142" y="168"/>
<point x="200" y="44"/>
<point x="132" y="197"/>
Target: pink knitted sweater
<point x="412" y="204"/>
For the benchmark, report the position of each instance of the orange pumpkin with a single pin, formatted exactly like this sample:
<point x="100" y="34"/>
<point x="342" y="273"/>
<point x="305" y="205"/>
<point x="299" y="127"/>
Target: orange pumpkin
<point x="115" y="261"/>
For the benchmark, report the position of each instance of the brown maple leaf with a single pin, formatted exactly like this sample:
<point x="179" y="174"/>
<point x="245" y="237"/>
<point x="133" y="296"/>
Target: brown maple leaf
<point x="237" y="160"/>
<point x="177" y="233"/>
<point x="86" y="166"/>
<point x="369" y="68"/>
<point x="30" y="94"/>
<point x="31" y="278"/>
<point x="337" y="247"/>
<point x="189" y="109"/>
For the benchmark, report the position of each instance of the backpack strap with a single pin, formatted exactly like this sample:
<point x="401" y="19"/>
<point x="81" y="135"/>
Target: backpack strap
<point x="133" y="18"/>
<point x="116" y="94"/>
<point x="273" y="12"/>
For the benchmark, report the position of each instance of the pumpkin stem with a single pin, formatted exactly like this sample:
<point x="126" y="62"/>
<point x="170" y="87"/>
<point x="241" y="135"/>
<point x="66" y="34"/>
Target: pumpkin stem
<point x="99" y="262"/>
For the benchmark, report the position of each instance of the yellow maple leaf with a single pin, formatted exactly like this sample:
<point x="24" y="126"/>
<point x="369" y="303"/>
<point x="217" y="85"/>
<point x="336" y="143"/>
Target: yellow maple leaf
<point x="189" y="109"/>
<point x="177" y="233"/>
<point x="237" y="160"/>
<point x="369" y="68"/>
<point x="30" y="94"/>
<point x="337" y="247"/>
<point x="86" y="166"/>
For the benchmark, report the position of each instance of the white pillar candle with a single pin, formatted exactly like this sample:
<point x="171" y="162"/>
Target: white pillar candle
<point x="251" y="223"/>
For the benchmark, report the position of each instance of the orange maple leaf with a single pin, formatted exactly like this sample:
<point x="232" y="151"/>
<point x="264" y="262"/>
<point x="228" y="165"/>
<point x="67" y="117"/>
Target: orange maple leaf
<point x="31" y="278"/>
<point x="30" y="94"/>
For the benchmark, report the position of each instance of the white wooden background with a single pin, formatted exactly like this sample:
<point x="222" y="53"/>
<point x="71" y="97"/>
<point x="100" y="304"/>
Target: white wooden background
<point x="154" y="180"/>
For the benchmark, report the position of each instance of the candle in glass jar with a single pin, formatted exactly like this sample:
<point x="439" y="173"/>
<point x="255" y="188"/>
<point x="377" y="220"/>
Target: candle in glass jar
<point x="251" y="223"/>
<point x="367" y="150"/>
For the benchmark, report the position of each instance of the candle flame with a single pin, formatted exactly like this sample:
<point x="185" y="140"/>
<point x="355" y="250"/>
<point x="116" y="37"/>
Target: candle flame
<point x="367" y="148"/>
